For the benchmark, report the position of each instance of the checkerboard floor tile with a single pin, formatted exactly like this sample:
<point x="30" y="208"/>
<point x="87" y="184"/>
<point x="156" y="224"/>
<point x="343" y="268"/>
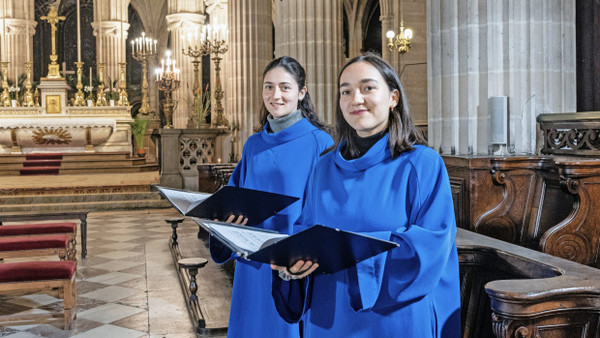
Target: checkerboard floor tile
<point x="126" y="287"/>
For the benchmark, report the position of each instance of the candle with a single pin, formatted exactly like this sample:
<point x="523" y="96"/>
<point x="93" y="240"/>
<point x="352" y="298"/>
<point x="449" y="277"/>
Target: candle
<point x="122" y="38"/>
<point x="132" y="47"/>
<point x="154" y="46"/>
<point x="100" y="57"/>
<point x="78" y="34"/>
<point x="27" y="31"/>
<point x="90" y="76"/>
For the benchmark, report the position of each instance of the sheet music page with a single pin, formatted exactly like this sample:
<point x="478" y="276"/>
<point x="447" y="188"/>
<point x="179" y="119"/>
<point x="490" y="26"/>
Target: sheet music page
<point x="183" y="199"/>
<point x="245" y="238"/>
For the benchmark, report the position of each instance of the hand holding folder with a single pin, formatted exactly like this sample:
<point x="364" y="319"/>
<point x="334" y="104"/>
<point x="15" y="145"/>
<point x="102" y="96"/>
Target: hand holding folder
<point x="331" y="248"/>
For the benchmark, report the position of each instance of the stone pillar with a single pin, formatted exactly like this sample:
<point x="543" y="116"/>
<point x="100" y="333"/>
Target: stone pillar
<point x="311" y="32"/>
<point x="496" y="49"/>
<point x="180" y="24"/>
<point x="251" y="49"/>
<point x="217" y="9"/>
<point x="16" y="17"/>
<point x="170" y="175"/>
<point x="111" y="30"/>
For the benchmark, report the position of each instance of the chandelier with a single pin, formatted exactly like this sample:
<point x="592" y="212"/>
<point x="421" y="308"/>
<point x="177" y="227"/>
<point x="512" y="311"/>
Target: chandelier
<point x="401" y="41"/>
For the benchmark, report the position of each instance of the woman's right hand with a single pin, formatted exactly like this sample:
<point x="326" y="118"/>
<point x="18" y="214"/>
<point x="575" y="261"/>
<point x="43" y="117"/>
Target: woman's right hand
<point x="299" y="270"/>
<point x="241" y="220"/>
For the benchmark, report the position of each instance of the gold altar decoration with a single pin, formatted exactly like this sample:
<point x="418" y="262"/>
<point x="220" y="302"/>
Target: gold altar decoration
<point x="28" y="95"/>
<point x="167" y="80"/>
<point x="100" y="97"/>
<point x="213" y="40"/>
<point x="79" y="96"/>
<point x="53" y="19"/>
<point x="123" y="99"/>
<point x="5" y="98"/>
<point x="142" y="49"/>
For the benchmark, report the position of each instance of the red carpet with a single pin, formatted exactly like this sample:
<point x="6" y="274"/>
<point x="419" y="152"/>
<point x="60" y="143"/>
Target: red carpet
<point x="41" y="164"/>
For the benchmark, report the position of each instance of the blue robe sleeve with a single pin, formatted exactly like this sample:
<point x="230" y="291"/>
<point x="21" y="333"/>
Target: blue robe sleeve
<point x="414" y="269"/>
<point x="220" y="253"/>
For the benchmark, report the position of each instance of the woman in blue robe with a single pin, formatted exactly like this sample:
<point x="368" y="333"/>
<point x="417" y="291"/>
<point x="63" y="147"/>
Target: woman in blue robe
<point x="278" y="158"/>
<point x="379" y="180"/>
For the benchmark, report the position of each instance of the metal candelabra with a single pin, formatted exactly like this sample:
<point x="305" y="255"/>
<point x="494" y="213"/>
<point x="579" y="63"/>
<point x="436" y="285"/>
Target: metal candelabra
<point x="213" y="40"/>
<point x="142" y="49"/>
<point x="167" y="80"/>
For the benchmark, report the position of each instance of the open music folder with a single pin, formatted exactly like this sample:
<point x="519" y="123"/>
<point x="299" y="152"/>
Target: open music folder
<point x="255" y="205"/>
<point x="332" y="248"/>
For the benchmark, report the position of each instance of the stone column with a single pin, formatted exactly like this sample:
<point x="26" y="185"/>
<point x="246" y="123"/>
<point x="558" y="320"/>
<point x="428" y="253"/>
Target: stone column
<point x="497" y="49"/>
<point x="250" y="49"/>
<point x="179" y="25"/>
<point x="16" y="17"/>
<point x="111" y="30"/>
<point x="311" y="32"/>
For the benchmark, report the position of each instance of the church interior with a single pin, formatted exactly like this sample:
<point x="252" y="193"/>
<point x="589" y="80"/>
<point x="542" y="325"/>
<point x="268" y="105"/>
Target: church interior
<point x="103" y="100"/>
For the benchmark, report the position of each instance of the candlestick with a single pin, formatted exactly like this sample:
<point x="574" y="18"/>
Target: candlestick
<point x="123" y="99"/>
<point x="213" y="41"/>
<point x="79" y="97"/>
<point x="141" y="54"/>
<point x="78" y="32"/>
<point x="168" y="82"/>
<point x="5" y="98"/>
<point x="101" y="99"/>
<point x="28" y="95"/>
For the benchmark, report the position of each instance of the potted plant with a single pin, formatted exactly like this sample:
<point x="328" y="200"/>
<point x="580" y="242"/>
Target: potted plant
<point x="138" y="129"/>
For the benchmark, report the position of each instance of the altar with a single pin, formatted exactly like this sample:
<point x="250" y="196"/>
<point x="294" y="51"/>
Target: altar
<point x="74" y="129"/>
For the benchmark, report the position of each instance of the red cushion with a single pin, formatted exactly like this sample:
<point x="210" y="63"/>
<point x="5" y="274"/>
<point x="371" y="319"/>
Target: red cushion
<point x="36" y="271"/>
<point x="37" y="229"/>
<point x="34" y="242"/>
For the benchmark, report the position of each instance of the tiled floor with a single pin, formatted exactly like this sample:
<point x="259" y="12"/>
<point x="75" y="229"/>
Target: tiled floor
<point x="127" y="286"/>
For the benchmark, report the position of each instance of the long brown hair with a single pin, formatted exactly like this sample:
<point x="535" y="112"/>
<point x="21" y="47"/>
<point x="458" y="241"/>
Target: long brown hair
<point x="403" y="132"/>
<point x="306" y="106"/>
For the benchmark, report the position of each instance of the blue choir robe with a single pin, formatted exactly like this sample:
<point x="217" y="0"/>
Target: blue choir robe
<point x="409" y="291"/>
<point x="279" y="163"/>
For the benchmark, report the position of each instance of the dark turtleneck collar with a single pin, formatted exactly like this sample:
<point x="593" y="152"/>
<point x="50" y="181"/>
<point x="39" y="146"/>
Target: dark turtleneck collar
<point x="364" y="144"/>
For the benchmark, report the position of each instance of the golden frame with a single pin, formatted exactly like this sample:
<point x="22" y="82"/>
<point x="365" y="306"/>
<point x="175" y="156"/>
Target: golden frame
<point x="53" y="104"/>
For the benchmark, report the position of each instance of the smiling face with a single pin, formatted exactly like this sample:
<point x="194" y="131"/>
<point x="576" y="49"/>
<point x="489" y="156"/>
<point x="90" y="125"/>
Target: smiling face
<point x="365" y="99"/>
<point x="281" y="93"/>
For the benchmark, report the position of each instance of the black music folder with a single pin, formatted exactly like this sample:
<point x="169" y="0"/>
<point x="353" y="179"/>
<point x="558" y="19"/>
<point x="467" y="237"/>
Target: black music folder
<point x="332" y="248"/>
<point x="256" y="205"/>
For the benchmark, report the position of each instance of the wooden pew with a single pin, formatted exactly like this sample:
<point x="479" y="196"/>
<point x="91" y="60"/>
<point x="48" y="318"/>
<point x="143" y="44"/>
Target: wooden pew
<point x="212" y="176"/>
<point x="543" y="203"/>
<point x="509" y="291"/>
<point x="41" y="276"/>
<point x="52" y="216"/>
<point x="45" y="229"/>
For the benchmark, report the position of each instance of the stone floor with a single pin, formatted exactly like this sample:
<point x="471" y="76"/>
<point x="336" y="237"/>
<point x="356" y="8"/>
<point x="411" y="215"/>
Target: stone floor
<point x="127" y="286"/>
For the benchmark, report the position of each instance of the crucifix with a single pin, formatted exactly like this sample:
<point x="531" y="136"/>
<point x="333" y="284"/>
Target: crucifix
<point x="64" y="70"/>
<point x="53" y="19"/>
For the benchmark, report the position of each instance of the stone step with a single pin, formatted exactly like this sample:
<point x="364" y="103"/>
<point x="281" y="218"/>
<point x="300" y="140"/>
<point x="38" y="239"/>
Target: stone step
<point x="86" y="206"/>
<point x="76" y="198"/>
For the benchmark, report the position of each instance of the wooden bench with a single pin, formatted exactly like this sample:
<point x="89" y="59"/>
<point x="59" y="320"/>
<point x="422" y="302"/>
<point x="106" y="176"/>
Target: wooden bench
<point x="18" y="247"/>
<point x="41" y="276"/>
<point x="52" y="216"/>
<point x="511" y="291"/>
<point x="40" y="229"/>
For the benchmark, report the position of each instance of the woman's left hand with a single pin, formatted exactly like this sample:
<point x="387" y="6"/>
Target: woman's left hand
<point x="299" y="270"/>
